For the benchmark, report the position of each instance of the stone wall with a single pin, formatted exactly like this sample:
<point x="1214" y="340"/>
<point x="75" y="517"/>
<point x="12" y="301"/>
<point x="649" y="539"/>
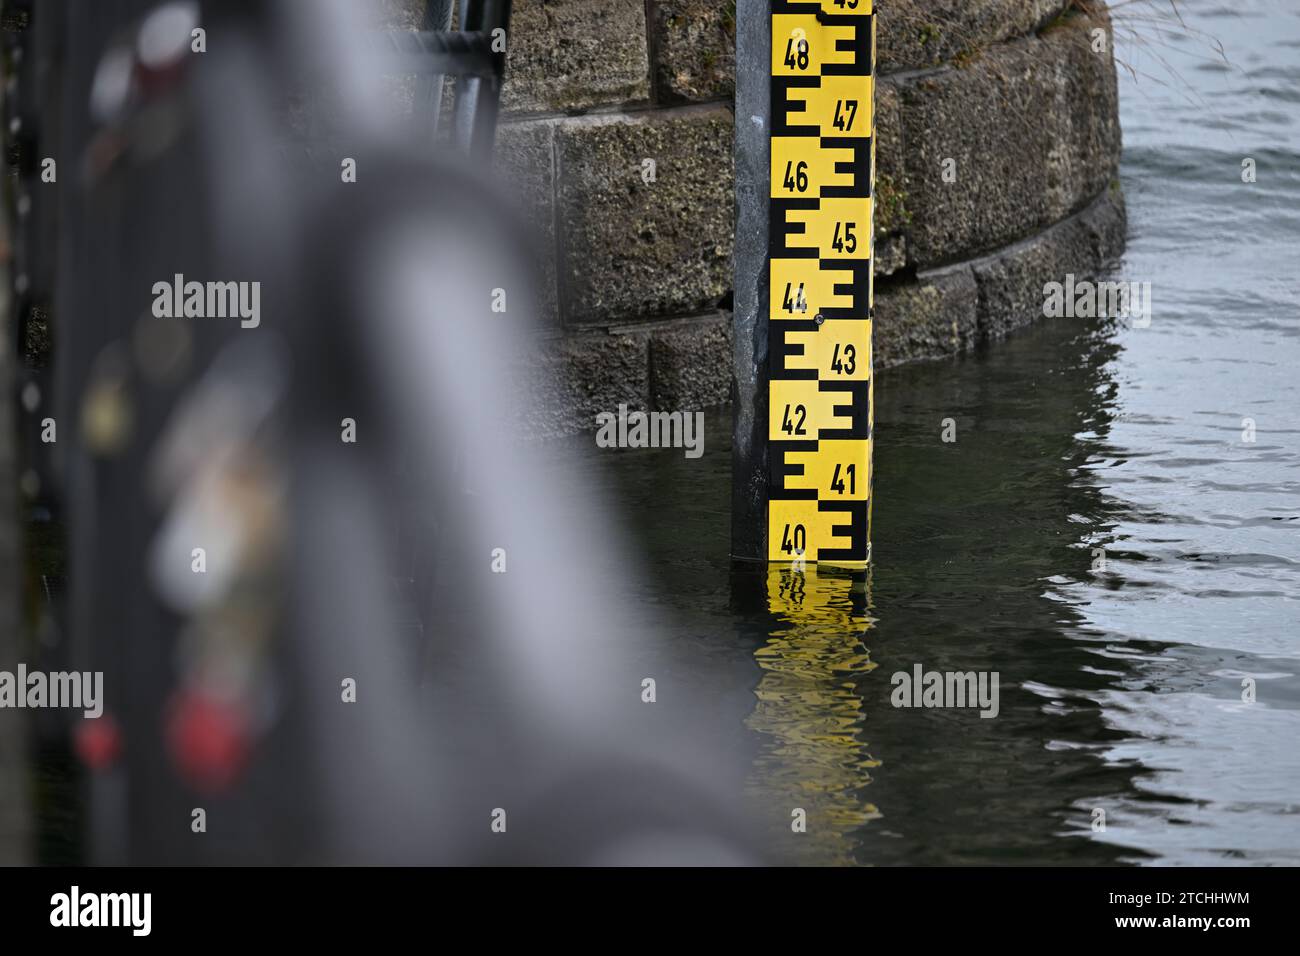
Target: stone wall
<point x="1021" y="94"/>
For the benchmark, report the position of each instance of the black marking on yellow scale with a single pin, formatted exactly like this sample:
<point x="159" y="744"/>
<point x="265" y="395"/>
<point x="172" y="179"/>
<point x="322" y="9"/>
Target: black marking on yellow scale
<point x="784" y="466"/>
<point x="784" y="105"/>
<point x="856" y="284"/>
<point x="859" y="45"/>
<point x="854" y="405"/>
<point x="854" y="526"/>
<point x="785" y="343"/>
<point x="785" y="227"/>
<point x="859" y="167"/>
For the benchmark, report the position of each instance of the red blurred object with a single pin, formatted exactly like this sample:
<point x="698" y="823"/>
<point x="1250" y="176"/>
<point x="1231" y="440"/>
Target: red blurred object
<point x="209" y="740"/>
<point x="98" y="741"/>
<point x="155" y="81"/>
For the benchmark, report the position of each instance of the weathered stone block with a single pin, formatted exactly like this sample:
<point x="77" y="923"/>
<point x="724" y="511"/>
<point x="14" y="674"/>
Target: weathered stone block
<point x="930" y="318"/>
<point x="889" y="132"/>
<point x="575" y="377"/>
<point x="890" y="254"/>
<point x="1107" y="223"/>
<point x="525" y="158"/>
<point x="566" y="55"/>
<point x="690" y="364"/>
<point x="693" y="49"/>
<point x="913" y="34"/>
<point x="1011" y="281"/>
<point x="891" y="212"/>
<point x="639" y="245"/>
<point x="1034" y="133"/>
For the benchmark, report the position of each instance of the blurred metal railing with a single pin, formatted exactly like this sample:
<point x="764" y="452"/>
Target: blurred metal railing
<point x="474" y="54"/>
<point x="64" y="317"/>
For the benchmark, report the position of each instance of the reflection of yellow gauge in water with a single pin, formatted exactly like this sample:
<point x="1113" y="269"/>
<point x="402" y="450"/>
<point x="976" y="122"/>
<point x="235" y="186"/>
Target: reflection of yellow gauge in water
<point x="809" y="713"/>
<point x="820" y="235"/>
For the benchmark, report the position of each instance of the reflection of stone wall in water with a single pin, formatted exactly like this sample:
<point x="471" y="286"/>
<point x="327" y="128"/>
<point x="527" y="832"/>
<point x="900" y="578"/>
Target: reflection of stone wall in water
<point x="618" y="127"/>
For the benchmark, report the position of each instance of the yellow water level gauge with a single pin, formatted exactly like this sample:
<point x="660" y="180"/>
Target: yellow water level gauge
<point x="821" y="125"/>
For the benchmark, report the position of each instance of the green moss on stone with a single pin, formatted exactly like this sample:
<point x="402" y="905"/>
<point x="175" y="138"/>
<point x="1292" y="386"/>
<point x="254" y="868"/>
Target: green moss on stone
<point x="891" y="205"/>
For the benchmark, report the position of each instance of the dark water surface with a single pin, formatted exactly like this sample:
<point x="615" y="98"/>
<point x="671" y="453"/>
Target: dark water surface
<point x="1121" y="690"/>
